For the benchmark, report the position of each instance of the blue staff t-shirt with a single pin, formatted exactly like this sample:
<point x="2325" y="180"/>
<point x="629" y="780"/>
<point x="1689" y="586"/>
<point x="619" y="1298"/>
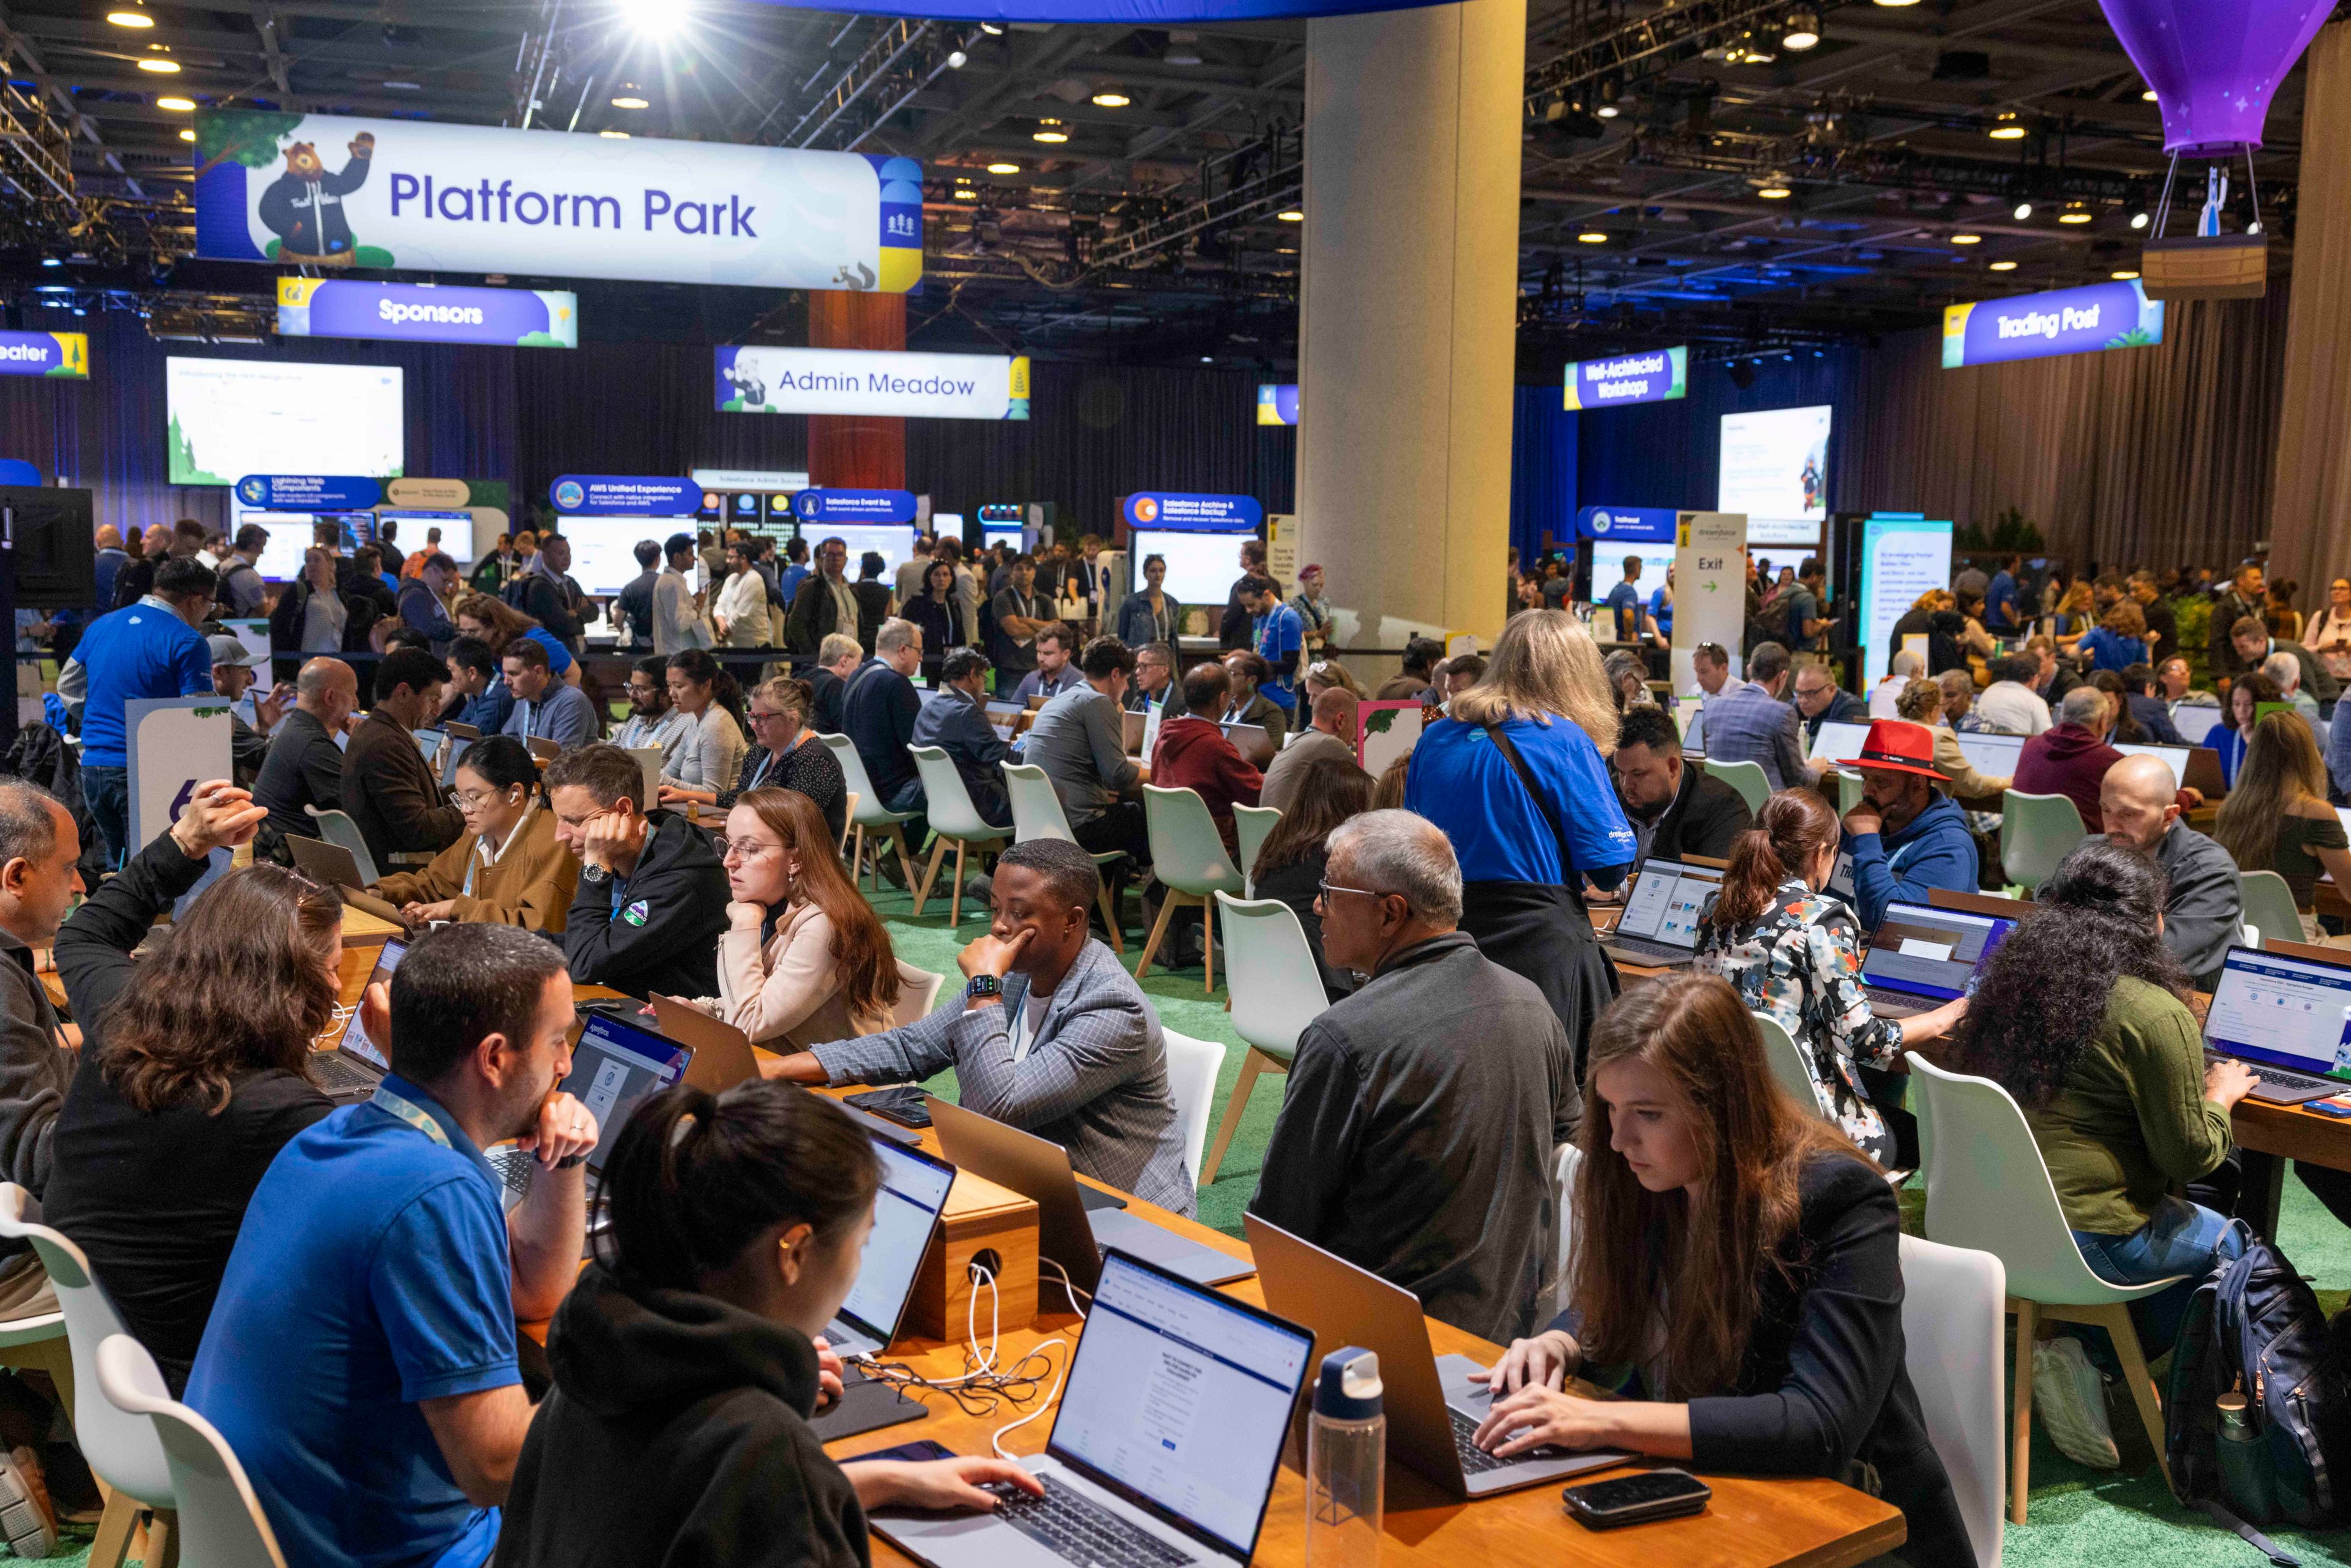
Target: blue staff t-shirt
<point x="371" y="1272"/>
<point x="138" y="651"/>
<point x="1661" y="612"/>
<point x="558" y="657"/>
<point x="1278" y="635"/>
<point x="1460" y="781"/>
<point x="1625" y="598"/>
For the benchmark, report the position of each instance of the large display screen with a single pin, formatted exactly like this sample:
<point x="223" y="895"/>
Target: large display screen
<point x="1201" y="568"/>
<point x="604" y="550"/>
<point x="1775" y="464"/>
<point x="456" y="532"/>
<point x="228" y="418"/>
<point x="895" y="542"/>
<point x="290" y="534"/>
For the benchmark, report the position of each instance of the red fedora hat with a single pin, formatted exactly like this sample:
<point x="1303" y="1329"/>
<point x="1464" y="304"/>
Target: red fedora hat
<point x="1897" y="745"/>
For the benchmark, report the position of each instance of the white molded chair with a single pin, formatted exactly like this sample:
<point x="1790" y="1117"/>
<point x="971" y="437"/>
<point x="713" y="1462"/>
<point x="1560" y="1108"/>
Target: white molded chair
<point x="1785" y="1057"/>
<point x="1276" y="991"/>
<point x="1568" y="1166"/>
<point x="2037" y="831"/>
<point x="1754" y="786"/>
<point x="2268" y="904"/>
<point x="337" y="828"/>
<point x="221" y="1522"/>
<point x="867" y="814"/>
<point x="918" y="993"/>
<point x="1952" y="1318"/>
<point x="1037" y="814"/>
<point x="1192" y="1068"/>
<point x="1187" y="856"/>
<point x="1849" y="788"/>
<point x="1251" y="824"/>
<point x="123" y="1449"/>
<point x="848" y="823"/>
<point x="1988" y="1189"/>
<point x="953" y="819"/>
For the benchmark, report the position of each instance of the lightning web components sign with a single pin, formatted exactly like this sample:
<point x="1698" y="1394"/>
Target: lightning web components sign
<point x="870" y="381"/>
<point x="1659" y="375"/>
<point x="327" y="190"/>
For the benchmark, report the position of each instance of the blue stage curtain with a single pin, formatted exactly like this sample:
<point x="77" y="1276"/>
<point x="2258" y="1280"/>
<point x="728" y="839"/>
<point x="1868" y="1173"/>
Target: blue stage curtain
<point x="1543" y="436"/>
<point x="1667" y="453"/>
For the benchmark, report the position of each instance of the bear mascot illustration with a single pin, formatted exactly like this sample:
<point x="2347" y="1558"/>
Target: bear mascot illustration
<point x="304" y="206"/>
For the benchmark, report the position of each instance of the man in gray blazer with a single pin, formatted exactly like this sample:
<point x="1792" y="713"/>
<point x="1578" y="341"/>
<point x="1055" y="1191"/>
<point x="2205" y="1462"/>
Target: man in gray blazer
<point x="1752" y="724"/>
<point x="1053" y="1036"/>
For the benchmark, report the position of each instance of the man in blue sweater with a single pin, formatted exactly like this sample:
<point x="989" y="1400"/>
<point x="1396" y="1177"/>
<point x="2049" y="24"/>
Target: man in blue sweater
<point x="147" y="649"/>
<point x="1906" y="837"/>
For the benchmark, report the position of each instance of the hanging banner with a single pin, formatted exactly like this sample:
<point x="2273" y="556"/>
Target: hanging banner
<point x="623" y="496"/>
<point x="765" y="479"/>
<point x="1277" y="403"/>
<point x="1901" y="558"/>
<point x="2063" y="321"/>
<point x="870" y="381"/>
<point x="1182" y="512"/>
<point x="1660" y="375"/>
<point x="421" y="313"/>
<point x="854" y="506"/>
<point x="308" y="492"/>
<point x="1627" y="524"/>
<point x="331" y="191"/>
<point x="64" y="354"/>
<point x="1710" y="589"/>
<point x="1130" y="12"/>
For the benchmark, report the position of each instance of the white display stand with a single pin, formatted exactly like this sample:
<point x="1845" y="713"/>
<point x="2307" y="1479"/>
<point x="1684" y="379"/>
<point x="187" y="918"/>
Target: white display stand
<point x="174" y="744"/>
<point x="1710" y="590"/>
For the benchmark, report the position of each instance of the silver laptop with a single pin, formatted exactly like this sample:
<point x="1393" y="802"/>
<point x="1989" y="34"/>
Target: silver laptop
<point x="542" y="748"/>
<point x="1004" y="717"/>
<point x="1921" y="958"/>
<point x="1164" y="1447"/>
<point x="1659" y="928"/>
<point x="1252" y="741"/>
<point x="328" y="865"/>
<point x="350" y="1072"/>
<point x="1993" y="756"/>
<point x="615" y="1067"/>
<point x="2288" y="1019"/>
<point x="1071" y="1230"/>
<point x="1131" y="724"/>
<point x="913" y="1192"/>
<point x="1434" y="1403"/>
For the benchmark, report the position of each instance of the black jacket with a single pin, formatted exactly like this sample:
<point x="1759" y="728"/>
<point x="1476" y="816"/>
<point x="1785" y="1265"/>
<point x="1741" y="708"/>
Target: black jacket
<point x="676" y="1433"/>
<point x="659" y="930"/>
<point x="878" y="716"/>
<point x="1822" y="1390"/>
<point x="829" y="689"/>
<point x="304" y="767"/>
<point x="958" y="726"/>
<point x="1706" y="818"/>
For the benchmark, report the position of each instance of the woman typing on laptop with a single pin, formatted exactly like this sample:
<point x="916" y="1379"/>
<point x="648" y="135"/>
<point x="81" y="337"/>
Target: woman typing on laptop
<point x="686" y="1360"/>
<point x="508" y="869"/>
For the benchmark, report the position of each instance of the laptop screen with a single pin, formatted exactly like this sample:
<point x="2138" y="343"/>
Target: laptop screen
<point x="1840" y="742"/>
<point x="355" y="1035"/>
<point x="1993" y="756"/>
<point x="2290" y="1012"/>
<point x="1667" y="900"/>
<point x="1933" y="953"/>
<point x="913" y="1189"/>
<point x="1181" y="1396"/>
<point x="2174" y="757"/>
<point x="613" y="1067"/>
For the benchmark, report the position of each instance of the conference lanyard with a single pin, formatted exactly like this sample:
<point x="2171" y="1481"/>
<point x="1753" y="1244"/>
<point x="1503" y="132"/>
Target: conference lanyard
<point x="408" y="1110"/>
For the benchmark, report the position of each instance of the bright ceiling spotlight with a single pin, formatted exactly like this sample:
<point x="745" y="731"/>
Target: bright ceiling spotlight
<point x="966" y="193"/>
<point x="131" y="18"/>
<point x="160" y="65"/>
<point x="1803" y="31"/>
<point x="1967" y="239"/>
<point x="1774" y="189"/>
<point x="187" y="136"/>
<point x="1607" y="111"/>
<point x="2023" y="211"/>
<point x="957" y="59"/>
<point x="631" y="96"/>
<point x="2139" y="220"/>
<point x="656" y="18"/>
<point x="1591" y="236"/>
<point x="2006" y="127"/>
<point x="176" y="105"/>
<point x="2148" y="97"/>
<point x="2003" y="267"/>
<point x="2123" y="275"/>
<point x="1112" y="100"/>
<point x="993" y="29"/>
<point x="1049" y="130"/>
<point x="613" y="135"/>
<point x="2076" y="213"/>
<point x="1290" y="215"/>
<point x="1004" y="168"/>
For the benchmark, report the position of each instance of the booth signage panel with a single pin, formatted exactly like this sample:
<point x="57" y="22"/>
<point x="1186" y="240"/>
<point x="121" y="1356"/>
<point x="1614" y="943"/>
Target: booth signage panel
<point x="423" y="313"/>
<point x="430" y="495"/>
<point x="1628" y="525"/>
<point x="1659" y="375"/>
<point x="62" y="354"/>
<point x="762" y="479"/>
<point x="625" y="495"/>
<point x="429" y="196"/>
<point x="172" y="744"/>
<point x="854" y="506"/>
<point x="308" y="492"/>
<point x="1901" y="558"/>
<point x="17" y="471"/>
<point x="1710" y="589"/>
<point x="1277" y="405"/>
<point x="1177" y="511"/>
<point x="2063" y="321"/>
<point x="872" y="382"/>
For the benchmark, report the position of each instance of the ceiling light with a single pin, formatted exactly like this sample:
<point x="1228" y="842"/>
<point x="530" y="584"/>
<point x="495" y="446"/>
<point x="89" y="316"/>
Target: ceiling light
<point x="1776" y="191"/>
<point x="957" y="59"/>
<point x="966" y="193"/>
<point x="1967" y="239"/>
<point x="1290" y="215"/>
<point x="2003" y="267"/>
<point x="2023" y="211"/>
<point x="629" y="99"/>
<point x="2006" y="127"/>
<point x="1803" y="31"/>
<point x="1112" y="100"/>
<point x="1207" y="358"/>
<point x="1004" y="168"/>
<point x="613" y="135"/>
<point x="1183" y="49"/>
<point x="1606" y="111"/>
<point x="160" y="65"/>
<point x="2075" y="213"/>
<point x="1049" y="130"/>
<point x="51" y="261"/>
<point x="1591" y="236"/>
<point x="2123" y="275"/>
<point x="177" y="105"/>
<point x="2148" y="97"/>
<point x="403" y="85"/>
<point x="187" y="136"/>
<point x="654" y="18"/>
<point x="993" y="29"/>
<point x="1891" y="4"/>
<point x="131" y="18"/>
<point x="2139" y="220"/>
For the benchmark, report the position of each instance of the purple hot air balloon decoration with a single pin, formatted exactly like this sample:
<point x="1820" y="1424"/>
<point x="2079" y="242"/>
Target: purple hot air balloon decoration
<point x="2214" y="64"/>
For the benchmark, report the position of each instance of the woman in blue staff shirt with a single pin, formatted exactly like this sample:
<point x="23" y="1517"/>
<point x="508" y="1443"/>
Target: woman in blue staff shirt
<point x="1518" y="778"/>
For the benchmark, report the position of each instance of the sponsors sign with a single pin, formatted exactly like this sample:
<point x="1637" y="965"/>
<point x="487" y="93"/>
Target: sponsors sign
<point x="63" y="354"/>
<point x="872" y="382"/>
<point x="1658" y="375"/>
<point x="1627" y="524"/>
<point x="307" y="493"/>
<point x="419" y="313"/>
<point x="331" y="191"/>
<point x="1277" y="403"/>
<point x="1181" y="512"/>
<point x="625" y="495"/>
<point x="854" y="506"/>
<point x="2063" y="321"/>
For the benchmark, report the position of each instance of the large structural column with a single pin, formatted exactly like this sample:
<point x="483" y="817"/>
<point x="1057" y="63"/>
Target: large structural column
<point x="857" y="452"/>
<point x="1408" y="312"/>
<point x="2310" y="502"/>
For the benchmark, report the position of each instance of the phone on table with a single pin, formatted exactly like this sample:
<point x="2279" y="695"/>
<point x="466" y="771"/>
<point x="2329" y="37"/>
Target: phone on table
<point x="1636" y="1500"/>
<point x="911" y="1453"/>
<point x="902" y="1103"/>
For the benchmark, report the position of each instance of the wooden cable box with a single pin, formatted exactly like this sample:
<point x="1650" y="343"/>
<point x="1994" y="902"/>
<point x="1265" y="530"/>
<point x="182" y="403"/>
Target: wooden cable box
<point x="980" y="1217"/>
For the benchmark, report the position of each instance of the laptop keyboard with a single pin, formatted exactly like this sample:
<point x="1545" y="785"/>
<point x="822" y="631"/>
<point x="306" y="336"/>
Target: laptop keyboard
<point x="513" y="1165"/>
<point x="1643" y="946"/>
<point x="1476" y="1460"/>
<point x="1900" y="1002"/>
<point x="1078" y="1532"/>
<point x="338" y="1072"/>
<point x="2287" y="1078"/>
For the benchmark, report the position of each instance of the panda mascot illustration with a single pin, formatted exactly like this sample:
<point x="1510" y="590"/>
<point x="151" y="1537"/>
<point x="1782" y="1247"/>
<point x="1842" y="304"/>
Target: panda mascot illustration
<point x="304" y="205"/>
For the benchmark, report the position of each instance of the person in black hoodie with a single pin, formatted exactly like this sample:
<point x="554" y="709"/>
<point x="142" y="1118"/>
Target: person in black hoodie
<point x="651" y="898"/>
<point x="686" y="1361"/>
<point x="1777" y="1242"/>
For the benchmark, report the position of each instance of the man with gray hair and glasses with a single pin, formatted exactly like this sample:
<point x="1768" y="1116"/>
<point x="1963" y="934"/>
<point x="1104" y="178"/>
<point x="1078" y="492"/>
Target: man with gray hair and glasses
<point x="1420" y="1131"/>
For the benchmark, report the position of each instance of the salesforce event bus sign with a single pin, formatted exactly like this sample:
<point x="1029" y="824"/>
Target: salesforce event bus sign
<point x="625" y="495"/>
<point x="424" y="313"/>
<point x="872" y="382"/>
<point x="1627" y="524"/>
<point x="63" y="354"/>
<point x="854" y="506"/>
<point x="2063" y="321"/>
<point x="307" y="493"/>
<point x="1659" y="375"/>
<point x="329" y="191"/>
<point x="1179" y="511"/>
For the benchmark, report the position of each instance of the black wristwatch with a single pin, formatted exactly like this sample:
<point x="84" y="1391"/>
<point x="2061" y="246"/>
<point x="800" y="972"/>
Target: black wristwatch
<point x="595" y="875"/>
<point x="982" y="986"/>
<point x="569" y="1161"/>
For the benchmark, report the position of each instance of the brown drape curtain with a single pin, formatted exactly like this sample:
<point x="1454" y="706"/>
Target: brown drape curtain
<point x="2309" y="515"/>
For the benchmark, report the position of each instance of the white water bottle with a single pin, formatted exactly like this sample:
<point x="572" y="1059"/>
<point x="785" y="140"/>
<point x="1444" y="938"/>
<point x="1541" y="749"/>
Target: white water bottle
<point x="1347" y="1462"/>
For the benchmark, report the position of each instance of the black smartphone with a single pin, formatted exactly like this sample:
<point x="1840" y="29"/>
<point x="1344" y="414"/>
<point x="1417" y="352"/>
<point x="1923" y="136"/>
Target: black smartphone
<point x="1635" y="1499"/>
<point x="902" y="1103"/>
<point x="914" y="1453"/>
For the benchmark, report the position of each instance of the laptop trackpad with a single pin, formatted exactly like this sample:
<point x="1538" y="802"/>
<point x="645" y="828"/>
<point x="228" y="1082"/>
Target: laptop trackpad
<point x="1201" y="1265"/>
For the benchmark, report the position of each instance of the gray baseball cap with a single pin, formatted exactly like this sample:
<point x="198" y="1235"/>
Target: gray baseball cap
<point x="227" y="650"/>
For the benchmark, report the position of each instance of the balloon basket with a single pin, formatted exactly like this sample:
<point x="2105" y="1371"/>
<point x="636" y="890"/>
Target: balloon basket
<point x="2210" y="267"/>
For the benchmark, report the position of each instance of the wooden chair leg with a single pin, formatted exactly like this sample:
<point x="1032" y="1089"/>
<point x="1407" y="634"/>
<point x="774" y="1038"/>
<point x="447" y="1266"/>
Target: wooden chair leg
<point x="1110" y="916"/>
<point x="1158" y="930"/>
<point x="905" y="861"/>
<point x="114" y="1529"/>
<point x="2116" y="1321"/>
<point x="930" y="876"/>
<point x="163" y="1540"/>
<point x="1208" y="941"/>
<point x="1251" y="1065"/>
<point x="2020" y="1436"/>
<point x="955" y="897"/>
<point x="856" y="855"/>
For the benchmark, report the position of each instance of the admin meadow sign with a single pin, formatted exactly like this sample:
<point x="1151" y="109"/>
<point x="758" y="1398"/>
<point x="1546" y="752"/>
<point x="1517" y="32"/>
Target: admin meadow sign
<point x="333" y="191"/>
<point x="872" y="382"/>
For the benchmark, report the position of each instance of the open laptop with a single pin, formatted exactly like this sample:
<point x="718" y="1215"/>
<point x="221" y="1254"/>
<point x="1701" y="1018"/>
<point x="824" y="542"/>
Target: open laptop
<point x="328" y="865"/>
<point x="1659" y="927"/>
<point x="1434" y="1403"/>
<point x="543" y="748"/>
<point x="2174" y="757"/>
<point x="1839" y="742"/>
<point x="1165" y="1446"/>
<point x="1921" y="958"/>
<point x="465" y="732"/>
<point x="1252" y="741"/>
<point x="1004" y="717"/>
<point x="649" y="759"/>
<point x="615" y="1066"/>
<point x="914" y="1189"/>
<point x="1993" y="756"/>
<point x="1070" y="1229"/>
<point x="350" y="1072"/>
<point x="2288" y="1019"/>
<point x="723" y="1058"/>
<point x="1131" y="728"/>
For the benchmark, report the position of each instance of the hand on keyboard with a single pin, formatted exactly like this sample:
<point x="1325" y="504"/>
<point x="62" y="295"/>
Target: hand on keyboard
<point x="983" y="1484"/>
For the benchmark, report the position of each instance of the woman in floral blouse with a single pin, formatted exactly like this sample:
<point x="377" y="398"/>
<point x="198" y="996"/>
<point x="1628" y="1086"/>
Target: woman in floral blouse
<point x="1794" y="952"/>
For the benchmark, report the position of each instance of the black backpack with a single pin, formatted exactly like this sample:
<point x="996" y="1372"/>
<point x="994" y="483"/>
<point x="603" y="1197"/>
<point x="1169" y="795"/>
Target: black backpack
<point x="2255" y="1327"/>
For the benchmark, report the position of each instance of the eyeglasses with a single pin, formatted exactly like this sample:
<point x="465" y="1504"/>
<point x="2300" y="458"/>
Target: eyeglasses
<point x="743" y="849"/>
<point x="473" y="799"/>
<point x="1324" y="888"/>
<point x="758" y="717"/>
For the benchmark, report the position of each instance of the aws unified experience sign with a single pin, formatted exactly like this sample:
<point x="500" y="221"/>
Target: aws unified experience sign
<point x="328" y="191"/>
